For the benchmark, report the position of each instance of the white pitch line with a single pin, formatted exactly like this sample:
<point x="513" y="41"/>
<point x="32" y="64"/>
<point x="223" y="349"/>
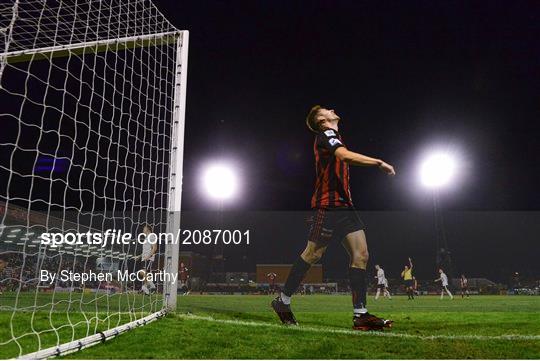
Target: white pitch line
<point x="388" y="333"/>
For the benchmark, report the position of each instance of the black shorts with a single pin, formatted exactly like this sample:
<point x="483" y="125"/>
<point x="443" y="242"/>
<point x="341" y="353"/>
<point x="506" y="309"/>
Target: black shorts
<point x="381" y="286"/>
<point x="408" y="283"/>
<point x="328" y="224"/>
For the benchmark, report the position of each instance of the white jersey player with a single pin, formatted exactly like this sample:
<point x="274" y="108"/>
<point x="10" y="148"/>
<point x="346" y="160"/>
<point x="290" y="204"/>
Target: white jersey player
<point x="147" y="257"/>
<point x="149" y="247"/>
<point x="444" y="284"/>
<point x="382" y="283"/>
<point x="386" y="290"/>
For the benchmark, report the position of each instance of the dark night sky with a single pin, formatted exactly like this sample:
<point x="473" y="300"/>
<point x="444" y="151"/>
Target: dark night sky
<point x="403" y="76"/>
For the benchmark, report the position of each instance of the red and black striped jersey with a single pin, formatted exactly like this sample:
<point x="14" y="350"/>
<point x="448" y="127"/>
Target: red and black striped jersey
<point x="332" y="183"/>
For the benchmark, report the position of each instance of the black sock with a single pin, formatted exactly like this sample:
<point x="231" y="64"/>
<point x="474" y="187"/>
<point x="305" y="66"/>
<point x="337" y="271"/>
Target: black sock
<point x="357" y="277"/>
<point x="298" y="271"/>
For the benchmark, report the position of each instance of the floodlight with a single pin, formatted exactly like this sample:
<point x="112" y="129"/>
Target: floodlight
<point x="220" y="181"/>
<point x="437" y="170"/>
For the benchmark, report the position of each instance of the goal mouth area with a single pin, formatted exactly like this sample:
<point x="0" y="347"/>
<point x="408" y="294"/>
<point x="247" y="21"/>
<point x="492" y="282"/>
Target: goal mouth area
<point x="129" y="94"/>
<point x="93" y="100"/>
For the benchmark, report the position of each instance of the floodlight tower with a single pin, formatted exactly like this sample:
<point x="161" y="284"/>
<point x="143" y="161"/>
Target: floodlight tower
<point x="436" y="172"/>
<point x="220" y="184"/>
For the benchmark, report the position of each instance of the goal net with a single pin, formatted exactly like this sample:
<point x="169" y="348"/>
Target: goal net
<point x="92" y="102"/>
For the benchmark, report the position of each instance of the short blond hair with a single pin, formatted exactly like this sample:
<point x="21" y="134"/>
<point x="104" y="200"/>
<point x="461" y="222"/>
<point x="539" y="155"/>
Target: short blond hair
<point x="148" y="226"/>
<point x="311" y="119"/>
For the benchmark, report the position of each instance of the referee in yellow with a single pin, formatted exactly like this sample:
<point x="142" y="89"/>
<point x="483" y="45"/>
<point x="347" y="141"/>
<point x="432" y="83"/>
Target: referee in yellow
<point x="406" y="274"/>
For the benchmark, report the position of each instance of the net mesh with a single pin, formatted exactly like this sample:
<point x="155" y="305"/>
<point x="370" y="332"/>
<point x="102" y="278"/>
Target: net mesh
<point x="86" y="106"/>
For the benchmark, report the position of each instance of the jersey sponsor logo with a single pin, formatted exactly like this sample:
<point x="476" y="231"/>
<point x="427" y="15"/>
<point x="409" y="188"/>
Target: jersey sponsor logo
<point x="334" y="141"/>
<point x="330" y="133"/>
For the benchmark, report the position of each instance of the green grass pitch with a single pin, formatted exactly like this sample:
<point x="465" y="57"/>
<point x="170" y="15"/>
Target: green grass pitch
<point x="497" y="327"/>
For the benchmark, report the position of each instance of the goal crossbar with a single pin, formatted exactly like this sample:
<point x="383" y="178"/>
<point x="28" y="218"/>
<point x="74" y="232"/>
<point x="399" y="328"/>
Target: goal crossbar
<point x="118" y="44"/>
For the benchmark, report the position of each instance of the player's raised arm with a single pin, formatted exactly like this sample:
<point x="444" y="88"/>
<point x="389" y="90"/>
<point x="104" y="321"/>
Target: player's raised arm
<point x="410" y="263"/>
<point x="330" y="140"/>
<point x="361" y="160"/>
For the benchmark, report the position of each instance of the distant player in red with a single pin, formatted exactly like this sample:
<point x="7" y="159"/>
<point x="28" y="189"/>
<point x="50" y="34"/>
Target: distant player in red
<point x="415" y="286"/>
<point x="464" y="283"/>
<point x="334" y="218"/>
<point x="184" y="278"/>
<point x="272" y="282"/>
<point x="3" y="265"/>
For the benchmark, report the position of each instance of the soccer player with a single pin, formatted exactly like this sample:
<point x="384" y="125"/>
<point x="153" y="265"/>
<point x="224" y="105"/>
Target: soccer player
<point x="406" y="274"/>
<point x="415" y="286"/>
<point x="271" y="282"/>
<point x="386" y="289"/>
<point x="444" y="284"/>
<point x="149" y="249"/>
<point x="3" y="278"/>
<point x="334" y="218"/>
<point x="380" y="281"/>
<point x="464" y="283"/>
<point x="184" y="278"/>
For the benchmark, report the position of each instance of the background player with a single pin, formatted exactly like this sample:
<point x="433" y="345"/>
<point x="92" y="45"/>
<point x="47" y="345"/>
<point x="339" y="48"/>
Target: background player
<point x="271" y="282"/>
<point x="464" y="283"/>
<point x="444" y="284"/>
<point x="149" y="249"/>
<point x="415" y="286"/>
<point x="184" y="278"/>
<point x="386" y="289"/>
<point x="3" y="277"/>
<point x="381" y="279"/>
<point x="406" y="274"/>
<point x="334" y="218"/>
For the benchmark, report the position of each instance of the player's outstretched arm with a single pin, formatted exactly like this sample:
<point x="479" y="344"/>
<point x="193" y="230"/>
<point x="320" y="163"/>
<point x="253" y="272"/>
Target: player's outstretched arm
<point x="410" y="262"/>
<point x="361" y="160"/>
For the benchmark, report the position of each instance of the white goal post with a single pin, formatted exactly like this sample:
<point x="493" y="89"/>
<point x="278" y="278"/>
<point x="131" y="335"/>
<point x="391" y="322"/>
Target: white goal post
<point x="176" y="168"/>
<point x="92" y="105"/>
